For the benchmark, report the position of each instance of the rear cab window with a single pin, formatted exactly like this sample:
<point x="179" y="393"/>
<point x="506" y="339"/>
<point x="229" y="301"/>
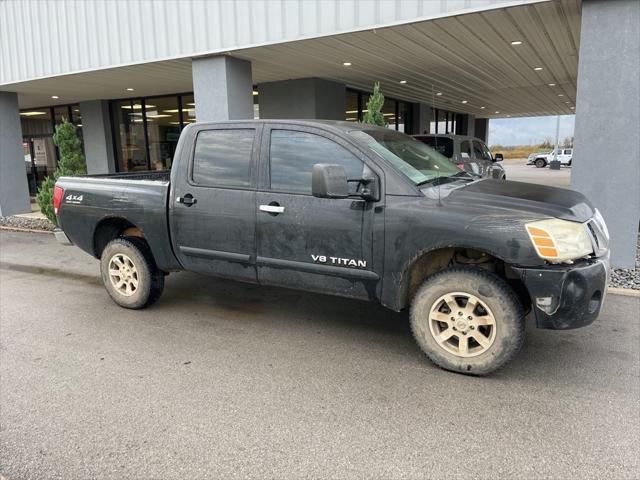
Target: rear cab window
<point x="223" y="157"/>
<point x="442" y="145"/>
<point x="292" y="155"/>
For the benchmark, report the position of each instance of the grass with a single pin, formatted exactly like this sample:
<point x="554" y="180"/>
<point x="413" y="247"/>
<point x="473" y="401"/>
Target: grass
<point x="519" y="151"/>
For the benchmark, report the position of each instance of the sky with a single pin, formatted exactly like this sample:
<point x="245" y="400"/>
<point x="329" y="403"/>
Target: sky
<point x="528" y="130"/>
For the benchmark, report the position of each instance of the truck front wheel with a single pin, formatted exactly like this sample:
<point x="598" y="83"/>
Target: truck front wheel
<point x="130" y="274"/>
<point x="467" y="320"/>
<point x="541" y="163"/>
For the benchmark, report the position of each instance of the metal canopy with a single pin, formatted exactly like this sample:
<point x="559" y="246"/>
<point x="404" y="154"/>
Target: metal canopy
<point x="465" y="58"/>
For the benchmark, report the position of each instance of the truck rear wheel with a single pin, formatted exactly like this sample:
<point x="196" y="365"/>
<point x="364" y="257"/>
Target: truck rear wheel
<point x="467" y="320"/>
<point x="130" y="274"/>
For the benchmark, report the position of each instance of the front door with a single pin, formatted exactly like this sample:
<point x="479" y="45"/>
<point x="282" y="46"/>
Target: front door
<point x="213" y="203"/>
<point x="315" y="244"/>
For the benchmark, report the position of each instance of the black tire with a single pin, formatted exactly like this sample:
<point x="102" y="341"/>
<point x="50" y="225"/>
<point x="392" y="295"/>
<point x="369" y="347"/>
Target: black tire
<point x="150" y="280"/>
<point x="540" y="163"/>
<point x="503" y="306"/>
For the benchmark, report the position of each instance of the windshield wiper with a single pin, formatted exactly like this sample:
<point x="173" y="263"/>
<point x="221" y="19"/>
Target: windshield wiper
<point x="442" y="179"/>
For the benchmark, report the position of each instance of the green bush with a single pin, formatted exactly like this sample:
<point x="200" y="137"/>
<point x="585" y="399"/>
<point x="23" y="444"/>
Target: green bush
<point x="72" y="162"/>
<point x="374" y="114"/>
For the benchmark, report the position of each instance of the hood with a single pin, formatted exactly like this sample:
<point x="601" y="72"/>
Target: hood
<point x="528" y="197"/>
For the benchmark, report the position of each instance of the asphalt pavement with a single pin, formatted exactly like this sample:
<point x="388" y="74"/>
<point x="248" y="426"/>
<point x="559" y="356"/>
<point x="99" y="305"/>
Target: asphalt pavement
<point x="518" y="170"/>
<point x="226" y="380"/>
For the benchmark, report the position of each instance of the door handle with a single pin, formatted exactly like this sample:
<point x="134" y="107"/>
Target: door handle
<point x="187" y="200"/>
<point x="272" y="208"/>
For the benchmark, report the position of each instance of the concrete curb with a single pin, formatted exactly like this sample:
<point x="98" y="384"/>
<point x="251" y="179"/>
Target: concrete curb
<point x="627" y="292"/>
<point x="26" y="230"/>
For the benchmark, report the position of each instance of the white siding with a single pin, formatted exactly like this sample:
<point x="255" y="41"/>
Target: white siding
<point x="42" y="38"/>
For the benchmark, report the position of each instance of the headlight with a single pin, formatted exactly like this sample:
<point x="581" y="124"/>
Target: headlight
<point x="558" y="240"/>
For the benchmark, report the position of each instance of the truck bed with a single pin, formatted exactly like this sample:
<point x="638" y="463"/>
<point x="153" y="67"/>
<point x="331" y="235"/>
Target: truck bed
<point x="93" y="202"/>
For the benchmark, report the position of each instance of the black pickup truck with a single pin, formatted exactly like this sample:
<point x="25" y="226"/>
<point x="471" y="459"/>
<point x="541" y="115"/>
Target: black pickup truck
<point x="353" y="210"/>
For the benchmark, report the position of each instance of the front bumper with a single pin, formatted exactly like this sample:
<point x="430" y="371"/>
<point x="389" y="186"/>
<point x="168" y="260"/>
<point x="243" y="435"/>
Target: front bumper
<point x="567" y="296"/>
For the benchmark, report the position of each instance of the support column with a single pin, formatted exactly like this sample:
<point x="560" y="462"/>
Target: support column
<point x="14" y="190"/>
<point x="222" y="88"/>
<point x="303" y="98"/>
<point x="606" y="157"/>
<point x="481" y="129"/>
<point x="98" y="139"/>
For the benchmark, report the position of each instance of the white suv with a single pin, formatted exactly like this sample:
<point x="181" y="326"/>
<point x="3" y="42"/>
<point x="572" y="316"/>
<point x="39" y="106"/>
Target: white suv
<point x="542" y="159"/>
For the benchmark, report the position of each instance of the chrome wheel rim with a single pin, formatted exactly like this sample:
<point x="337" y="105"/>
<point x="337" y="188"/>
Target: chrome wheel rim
<point x="462" y="324"/>
<point x="123" y="274"/>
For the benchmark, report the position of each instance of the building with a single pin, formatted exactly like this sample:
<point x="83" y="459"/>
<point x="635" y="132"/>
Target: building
<point x="132" y="73"/>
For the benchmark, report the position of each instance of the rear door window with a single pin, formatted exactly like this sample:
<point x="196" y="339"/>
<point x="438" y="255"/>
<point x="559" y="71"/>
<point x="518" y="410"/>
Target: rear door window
<point x="294" y="153"/>
<point x="223" y="157"/>
<point x="465" y="149"/>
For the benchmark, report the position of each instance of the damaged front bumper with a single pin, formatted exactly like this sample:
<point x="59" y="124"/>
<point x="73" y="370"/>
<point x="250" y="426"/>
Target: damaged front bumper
<point x="567" y="296"/>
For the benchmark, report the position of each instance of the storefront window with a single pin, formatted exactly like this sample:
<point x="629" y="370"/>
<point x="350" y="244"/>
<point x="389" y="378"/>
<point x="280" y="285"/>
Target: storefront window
<point x="188" y="109"/>
<point x="60" y="114"/>
<point x="256" y="105"/>
<point x="404" y="117"/>
<point x="389" y="112"/>
<point x="128" y="128"/>
<point x="36" y="121"/>
<point x="351" y="107"/>
<point x="163" y="130"/>
<point x="397" y="114"/>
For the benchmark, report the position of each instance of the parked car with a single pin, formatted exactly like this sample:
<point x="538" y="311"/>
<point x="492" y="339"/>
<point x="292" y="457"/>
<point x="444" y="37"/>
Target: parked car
<point x="542" y="159"/>
<point x="351" y="210"/>
<point x="468" y="153"/>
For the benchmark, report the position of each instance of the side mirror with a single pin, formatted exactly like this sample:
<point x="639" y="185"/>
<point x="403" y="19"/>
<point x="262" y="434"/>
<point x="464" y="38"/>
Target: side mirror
<point x="498" y="157"/>
<point x="329" y="181"/>
<point x="370" y="189"/>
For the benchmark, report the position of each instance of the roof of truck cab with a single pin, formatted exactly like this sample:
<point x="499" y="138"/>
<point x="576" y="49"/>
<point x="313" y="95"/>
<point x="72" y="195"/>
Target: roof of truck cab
<point x="339" y="125"/>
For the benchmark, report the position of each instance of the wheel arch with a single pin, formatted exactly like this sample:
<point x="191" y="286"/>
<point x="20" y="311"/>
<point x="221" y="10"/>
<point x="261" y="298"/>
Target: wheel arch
<point x="110" y="228"/>
<point x="431" y="261"/>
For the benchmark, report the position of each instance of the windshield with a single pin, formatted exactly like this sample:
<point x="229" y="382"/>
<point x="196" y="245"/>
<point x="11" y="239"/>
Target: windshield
<point x="417" y="161"/>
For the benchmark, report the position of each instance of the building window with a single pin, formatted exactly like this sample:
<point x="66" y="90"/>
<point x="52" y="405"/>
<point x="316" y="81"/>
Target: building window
<point x="188" y="109"/>
<point x="146" y="130"/>
<point x="163" y="130"/>
<point x="404" y="117"/>
<point x="129" y="135"/>
<point x="397" y="114"/>
<point x="353" y="112"/>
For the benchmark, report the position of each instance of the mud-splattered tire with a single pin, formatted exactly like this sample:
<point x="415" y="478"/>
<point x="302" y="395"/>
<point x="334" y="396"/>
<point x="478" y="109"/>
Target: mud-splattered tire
<point x="129" y="273"/>
<point x="540" y="163"/>
<point x="467" y="320"/>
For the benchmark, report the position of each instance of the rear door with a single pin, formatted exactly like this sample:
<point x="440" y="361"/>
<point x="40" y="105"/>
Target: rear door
<point x="315" y="244"/>
<point x="213" y="203"/>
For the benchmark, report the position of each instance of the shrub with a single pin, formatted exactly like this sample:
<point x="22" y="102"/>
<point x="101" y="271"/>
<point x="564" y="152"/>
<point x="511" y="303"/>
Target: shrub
<point x="375" y="103"/>
<point x="72" y="162"/>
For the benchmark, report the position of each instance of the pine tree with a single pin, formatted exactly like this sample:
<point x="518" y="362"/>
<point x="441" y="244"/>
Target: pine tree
<point x="72" y="162"/>
<point x="375" y="103"/>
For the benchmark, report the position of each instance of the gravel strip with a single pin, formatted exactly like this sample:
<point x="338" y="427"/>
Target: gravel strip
<point x="620" y="278"/>
<point x="627" y="277"/>
<point x="27" y="223"/>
